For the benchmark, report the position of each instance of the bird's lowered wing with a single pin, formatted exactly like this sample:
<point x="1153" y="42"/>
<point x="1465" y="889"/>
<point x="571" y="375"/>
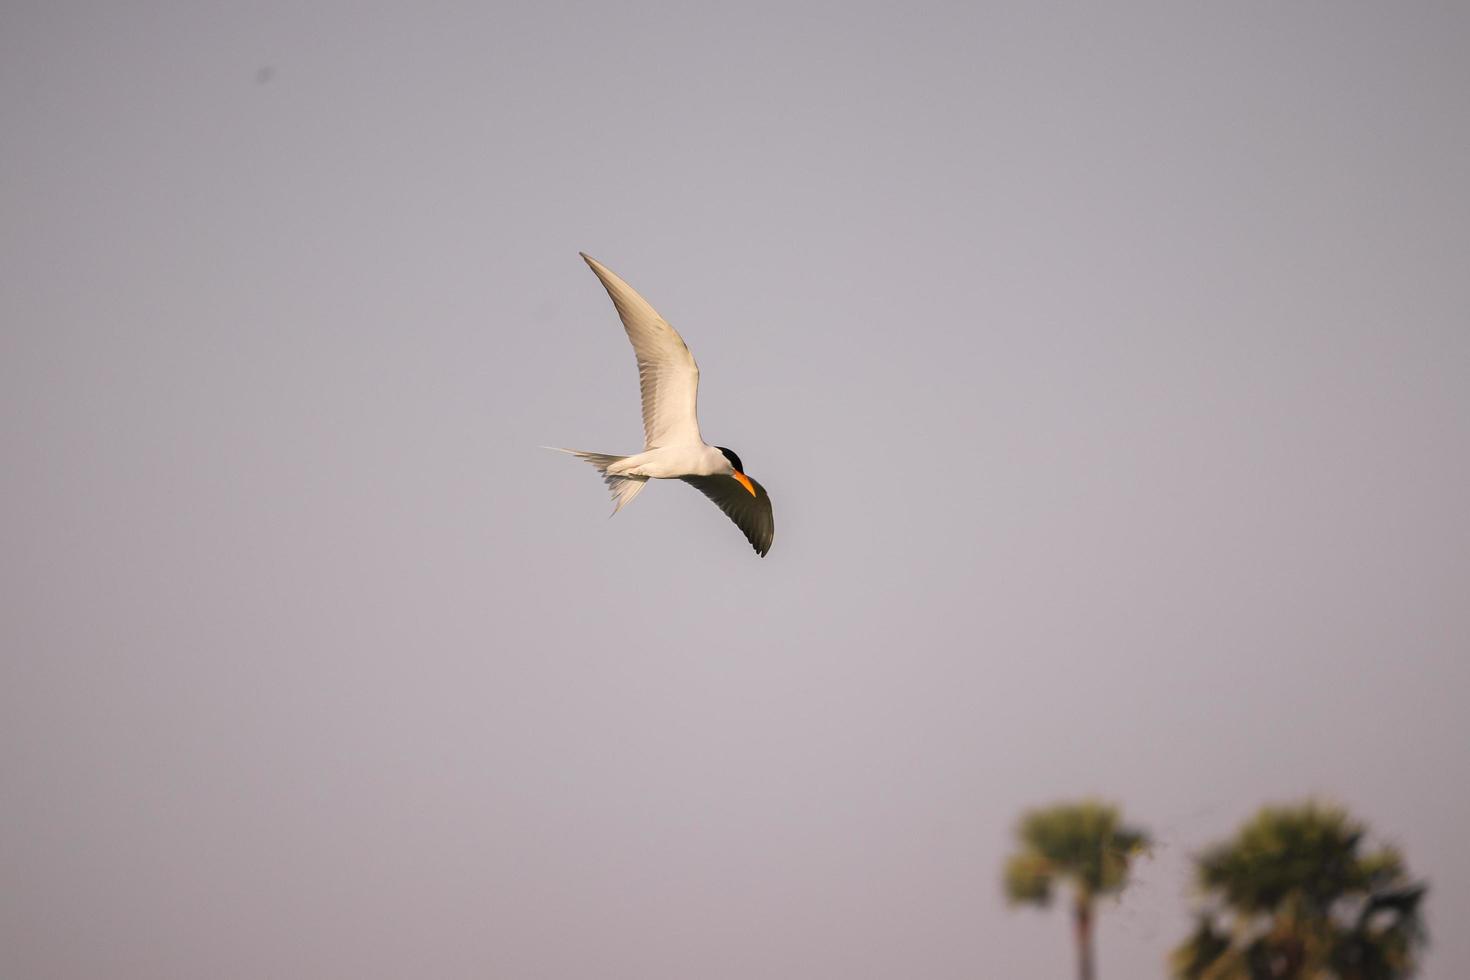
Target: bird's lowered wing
<point x="752" y="514"/>
<point x="666" y="370"/>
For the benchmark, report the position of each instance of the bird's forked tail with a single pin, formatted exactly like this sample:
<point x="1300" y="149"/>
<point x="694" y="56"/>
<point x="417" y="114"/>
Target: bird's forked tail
<point x="624" y="488"/>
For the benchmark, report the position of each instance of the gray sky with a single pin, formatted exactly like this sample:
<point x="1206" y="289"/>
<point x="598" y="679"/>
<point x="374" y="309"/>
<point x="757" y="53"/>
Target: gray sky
<point x="1109" y="368"/>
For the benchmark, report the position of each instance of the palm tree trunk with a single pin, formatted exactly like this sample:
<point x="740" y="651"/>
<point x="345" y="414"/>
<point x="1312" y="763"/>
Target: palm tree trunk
<point x="1082" y="921"/>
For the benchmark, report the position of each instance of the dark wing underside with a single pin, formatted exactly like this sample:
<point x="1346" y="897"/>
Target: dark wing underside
<point x="751" y="514"/>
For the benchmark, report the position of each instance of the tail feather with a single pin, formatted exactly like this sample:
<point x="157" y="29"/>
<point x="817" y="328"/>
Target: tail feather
<point x="624" y="488"/>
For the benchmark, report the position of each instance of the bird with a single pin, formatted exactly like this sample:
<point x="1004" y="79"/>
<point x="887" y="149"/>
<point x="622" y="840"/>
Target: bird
<point x="673" y="448"/>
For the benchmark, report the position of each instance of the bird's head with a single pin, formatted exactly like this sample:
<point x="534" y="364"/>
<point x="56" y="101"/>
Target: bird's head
<point x="736" y="470"/>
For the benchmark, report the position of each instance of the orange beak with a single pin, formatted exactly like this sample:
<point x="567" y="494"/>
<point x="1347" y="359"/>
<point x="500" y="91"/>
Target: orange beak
<point x="744" y="482"/>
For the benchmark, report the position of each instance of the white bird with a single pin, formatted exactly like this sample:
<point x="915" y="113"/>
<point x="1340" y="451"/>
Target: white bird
<point x="673" y="449"/>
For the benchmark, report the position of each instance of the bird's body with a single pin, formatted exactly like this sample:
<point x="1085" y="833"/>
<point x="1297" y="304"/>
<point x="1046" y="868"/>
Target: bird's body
<point x="674" y="462"/>
<point x="673" y="447"/>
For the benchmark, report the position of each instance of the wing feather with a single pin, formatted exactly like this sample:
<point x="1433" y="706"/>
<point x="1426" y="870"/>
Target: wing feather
<point x="751" y="514"/>
<point x="667" y="374"/>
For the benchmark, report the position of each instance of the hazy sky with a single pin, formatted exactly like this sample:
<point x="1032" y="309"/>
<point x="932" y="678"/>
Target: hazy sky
<point x="1108" y="365"/>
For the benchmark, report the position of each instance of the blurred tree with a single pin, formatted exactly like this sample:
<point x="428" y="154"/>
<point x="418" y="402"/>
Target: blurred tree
<point x="1083" y="844"/>
<point x="1295" y="895"/>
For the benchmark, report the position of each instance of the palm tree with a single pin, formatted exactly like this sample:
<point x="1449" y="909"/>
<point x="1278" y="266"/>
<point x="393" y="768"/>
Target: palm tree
<point x="1295" y="894"/>
<point x="1084" y="844"/>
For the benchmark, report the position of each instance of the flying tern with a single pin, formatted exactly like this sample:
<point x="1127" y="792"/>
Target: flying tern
<point x="673" y="449"/>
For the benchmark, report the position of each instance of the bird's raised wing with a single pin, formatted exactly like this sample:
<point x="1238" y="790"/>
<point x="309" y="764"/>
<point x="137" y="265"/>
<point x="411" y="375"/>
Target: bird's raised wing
<point x="752" y="514"/>
<point x="666" y="370"/>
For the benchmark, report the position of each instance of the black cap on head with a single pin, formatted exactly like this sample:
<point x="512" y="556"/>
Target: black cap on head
<point x="734" y="460"/>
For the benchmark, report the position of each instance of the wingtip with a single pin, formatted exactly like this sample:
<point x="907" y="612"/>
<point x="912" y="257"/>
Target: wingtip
<point x="599" y="270"/>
